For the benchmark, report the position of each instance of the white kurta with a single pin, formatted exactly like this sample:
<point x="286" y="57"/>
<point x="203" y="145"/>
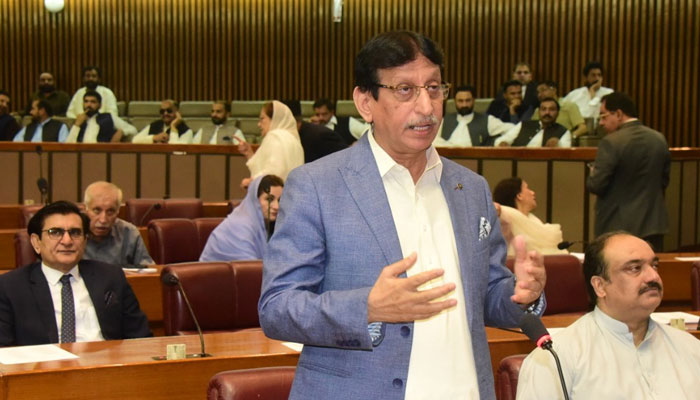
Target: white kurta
<point x="93" y="129"/>
<point x="589" y="106"/>
<point x="600" y="361"/>
<point x="108" y="105"/>
<point x="536" y="141"/>
<point x="442" y="360"/>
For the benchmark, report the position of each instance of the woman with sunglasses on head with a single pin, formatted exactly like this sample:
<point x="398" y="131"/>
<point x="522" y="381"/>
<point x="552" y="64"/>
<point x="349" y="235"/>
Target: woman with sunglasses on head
<point x="243" y="235"/>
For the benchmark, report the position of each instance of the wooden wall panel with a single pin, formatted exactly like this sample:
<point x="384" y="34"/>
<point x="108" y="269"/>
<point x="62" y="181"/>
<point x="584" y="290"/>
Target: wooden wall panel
<point x="262" y="49"/>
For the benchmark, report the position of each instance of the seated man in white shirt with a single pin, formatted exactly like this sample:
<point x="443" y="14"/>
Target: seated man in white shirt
<point x="170" y="128"/>
<point x="617" y="351"/>
<point x="42" y="128"/>
<point x="543" y="133"/>
<point x="63" y="298"/>
<point x="92" y="77"/>
<point x="350" y="129"/>
<point x="221" y="130"/>
<point x="92" y="126"/>
<point x="467" y="128"/>
<point x="587" y="97"/>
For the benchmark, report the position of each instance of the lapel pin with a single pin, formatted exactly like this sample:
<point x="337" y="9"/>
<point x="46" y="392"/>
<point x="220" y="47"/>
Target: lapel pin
<point x="458" y="187"/>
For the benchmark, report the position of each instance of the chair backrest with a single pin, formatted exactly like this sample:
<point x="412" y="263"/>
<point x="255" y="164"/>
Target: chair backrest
<point x="695" y="285"/>
<point x="173" y="240"/>
<point x="224" y="296"/>
<point x="140" y="211"/>
<point x="195" y="108"/>
<point x="24" y="252"/>
<point x="205" y="226"/>
<point x="272" y="383"/>
<point x="27" y="212"/>
<point x="246" y="108"/>
<point x="507" y="376"/>
<point x="566" y="287"/>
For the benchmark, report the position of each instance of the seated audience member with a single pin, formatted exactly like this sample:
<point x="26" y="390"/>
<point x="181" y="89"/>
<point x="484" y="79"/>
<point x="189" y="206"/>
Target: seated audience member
<point x="517" y="201"/>
<point x="42" y="128"/>
<point x="523" y="74"/>
<point x="244" y="233"/>
<point x="170" y="128"/>
<point x="511" y="107"/>
<point x="57" y="99"/>
<point x="617" y="351"/>
<point x="317" y="140"/>
<point x="588" y="97"/>
<point x="543" y="133"/>
<point x="8" y="124"/>
<point x="467" y="128"/>
<point x="91" y="79"/>
<point x="112" y="240"/>
<point x="280" y="150"/>
<point x="221" y="130"/>
<point x="350" y="129"/>
<point x="64" y="298"/>
<point x="569" y="115"/>
<point x="93" y="126"/>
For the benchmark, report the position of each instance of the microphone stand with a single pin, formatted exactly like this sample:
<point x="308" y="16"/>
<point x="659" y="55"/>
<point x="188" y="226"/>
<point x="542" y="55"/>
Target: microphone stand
<point x="547" y="345"/>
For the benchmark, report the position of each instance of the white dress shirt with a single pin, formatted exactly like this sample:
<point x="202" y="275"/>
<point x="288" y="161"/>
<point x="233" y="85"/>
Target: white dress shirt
<point x="109" y="102"/>
<point x="87" y="326"/>
<point x="62" y="133"/>
<point x="589" y="107"/>
<point x="442" y="361"/>
<point x="173" y="138"/>
<point x="600" y="361"/>
<point x="460" y="136"/>
<point x="357" y="128"/>
<point x="93" y="129"/>
<point x="536" y="141"/>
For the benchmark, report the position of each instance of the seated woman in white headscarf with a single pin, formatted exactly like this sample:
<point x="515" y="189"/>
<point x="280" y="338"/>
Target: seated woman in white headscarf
<point x="517" y="201"/>
<point x="280" y="150"/>
<point x="244" y="233"/>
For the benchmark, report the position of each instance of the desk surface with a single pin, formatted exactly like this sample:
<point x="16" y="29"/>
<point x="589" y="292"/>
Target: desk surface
<point x="124" y="369"/>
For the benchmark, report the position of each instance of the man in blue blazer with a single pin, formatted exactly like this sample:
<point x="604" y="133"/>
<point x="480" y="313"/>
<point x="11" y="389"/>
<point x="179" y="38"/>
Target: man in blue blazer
<point x="33" y="304"/>
<point x="387" y="260"/>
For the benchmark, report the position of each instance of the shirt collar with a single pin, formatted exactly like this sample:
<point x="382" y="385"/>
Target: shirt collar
<point x="467" y="118"/>
<point x="53" y="276"/>
<point x="385" y="163"/>
<point x="619" y="328"/>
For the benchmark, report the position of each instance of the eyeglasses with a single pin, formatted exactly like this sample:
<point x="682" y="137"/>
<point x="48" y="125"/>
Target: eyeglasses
<point x="166" y="110"/>
<point x="405" y="93"/>
<point x="57" y="233"/>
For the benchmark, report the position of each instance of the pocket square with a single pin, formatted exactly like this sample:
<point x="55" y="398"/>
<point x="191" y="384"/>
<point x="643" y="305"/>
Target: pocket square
<point x="484" y="228"/>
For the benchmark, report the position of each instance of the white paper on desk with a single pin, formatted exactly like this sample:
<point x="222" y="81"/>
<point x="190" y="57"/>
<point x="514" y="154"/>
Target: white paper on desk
<point x="580" y="256"/>
<point x="140" y="270"/>
<point x="32" y="354"/>
<point x="666" y="317"/>
<point x="294" y="346"/>
<point x="687" y="258"/>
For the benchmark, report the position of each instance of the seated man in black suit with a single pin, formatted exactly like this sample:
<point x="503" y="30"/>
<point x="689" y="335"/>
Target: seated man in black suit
<point x="317" y="140"/>
<point x="63" y="298"/>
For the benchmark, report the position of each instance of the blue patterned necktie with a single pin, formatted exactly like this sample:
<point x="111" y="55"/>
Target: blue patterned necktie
<point x="67" y="311"/>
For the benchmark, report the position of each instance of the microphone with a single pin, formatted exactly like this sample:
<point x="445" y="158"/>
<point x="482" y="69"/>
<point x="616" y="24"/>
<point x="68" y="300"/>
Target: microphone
<point x="532" y="326"/>
<point x="154" y="206"/>
<point x="170" y="279"/>
<point x="42" y="183"/>
<point x="565" y="244"/>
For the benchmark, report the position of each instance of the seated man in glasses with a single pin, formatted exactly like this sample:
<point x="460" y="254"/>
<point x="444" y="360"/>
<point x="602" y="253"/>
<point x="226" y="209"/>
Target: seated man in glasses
<point x="170" y="128"/>
<point x="112" y="240"/>
<point x="63" y="298"/>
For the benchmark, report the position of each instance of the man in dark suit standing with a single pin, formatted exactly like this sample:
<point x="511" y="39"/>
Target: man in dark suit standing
<point x="63" y="298"/>
<point x="630" y="174"/>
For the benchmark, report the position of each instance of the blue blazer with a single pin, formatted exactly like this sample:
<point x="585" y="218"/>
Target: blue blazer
<point x="334" y="235"/>
<point x="27" y="314"/>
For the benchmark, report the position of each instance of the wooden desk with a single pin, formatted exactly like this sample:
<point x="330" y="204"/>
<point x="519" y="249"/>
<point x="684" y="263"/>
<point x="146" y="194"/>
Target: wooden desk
<point x="148" y="291"/>
<point x="124" y="369"/>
